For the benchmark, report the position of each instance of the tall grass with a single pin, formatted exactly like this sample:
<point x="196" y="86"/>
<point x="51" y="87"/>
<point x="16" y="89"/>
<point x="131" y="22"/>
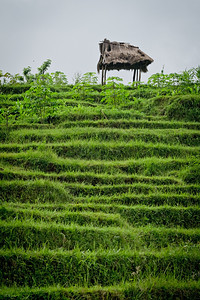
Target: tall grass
<point x="32" y="234"/>
<point x="45" y="267"/>
<point x="48" y="161"/>
<point x="174" y="136"/>
<point x="107" y="150"/>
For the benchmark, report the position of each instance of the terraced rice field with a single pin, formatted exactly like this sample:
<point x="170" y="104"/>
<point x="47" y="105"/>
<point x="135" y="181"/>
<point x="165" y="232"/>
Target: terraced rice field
<point x="100" y="206"/>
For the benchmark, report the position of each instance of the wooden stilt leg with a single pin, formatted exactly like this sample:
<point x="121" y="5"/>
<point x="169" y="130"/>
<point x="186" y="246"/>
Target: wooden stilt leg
<point x="134" y="75"/>
<point x="140" y="75"/>
<point x="105" y="76"/>
<point x="102" y="76"/>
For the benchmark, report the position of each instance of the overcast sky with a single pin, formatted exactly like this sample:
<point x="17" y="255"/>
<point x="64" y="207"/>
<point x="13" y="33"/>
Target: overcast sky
<point x="68" y="32"/>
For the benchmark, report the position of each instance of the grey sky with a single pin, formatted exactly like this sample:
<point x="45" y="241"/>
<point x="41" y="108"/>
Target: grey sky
<point x="68" y="33"/>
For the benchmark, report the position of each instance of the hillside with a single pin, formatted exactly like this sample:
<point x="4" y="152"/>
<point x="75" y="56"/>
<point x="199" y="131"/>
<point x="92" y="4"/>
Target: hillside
<point x="100" y="199"/>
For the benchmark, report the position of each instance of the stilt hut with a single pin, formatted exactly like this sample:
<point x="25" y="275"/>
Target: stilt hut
<point x="122" y="56"/>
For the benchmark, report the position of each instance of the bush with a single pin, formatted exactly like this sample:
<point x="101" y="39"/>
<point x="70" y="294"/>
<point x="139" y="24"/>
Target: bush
<point x="14" y="89"/>
<point x="184" y="108"/>
<point x="180" y="107"/>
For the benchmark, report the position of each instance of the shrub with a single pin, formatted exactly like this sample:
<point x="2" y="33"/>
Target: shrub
<point x="184" y="108"/>
<point x="39" y="98"/>
<point x="114" y="92"/>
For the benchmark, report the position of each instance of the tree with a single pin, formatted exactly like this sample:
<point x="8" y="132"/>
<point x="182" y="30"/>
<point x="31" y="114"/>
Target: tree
<point x="38" y="99"/>
<point x="27" y="74"/>
<point x="44" y="67"/>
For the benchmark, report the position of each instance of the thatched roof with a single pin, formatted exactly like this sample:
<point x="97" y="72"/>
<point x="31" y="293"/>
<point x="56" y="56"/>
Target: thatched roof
<point x="122" y="56"/>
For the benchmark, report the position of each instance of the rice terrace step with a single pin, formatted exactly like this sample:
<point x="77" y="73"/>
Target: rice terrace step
<point x="100" y="200"/>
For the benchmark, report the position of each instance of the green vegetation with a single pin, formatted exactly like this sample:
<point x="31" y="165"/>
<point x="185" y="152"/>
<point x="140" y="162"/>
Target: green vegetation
<point x="99" y="187"/>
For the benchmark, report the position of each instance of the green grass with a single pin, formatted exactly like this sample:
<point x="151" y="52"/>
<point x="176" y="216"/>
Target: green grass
<point x="186" y="217"/>
<point x="106" y="232"/>
<point x="49" y="162"/>
<point x="87" y="177"/>
<point x="155" y="199"/>
<point x="179" y="107"/>
<point x="154" y="288"/>
<point x="175" y="136"/>
<point x="110" y="123"/>
<point x="44" y="190"/>
<point x="99" y="202"/>
<point x="85" y="217"/>
<point x="35" y="191"/>
<point x="126" y="124"/>
<point x="45" y="267"/>
<point x="106" y="150"/>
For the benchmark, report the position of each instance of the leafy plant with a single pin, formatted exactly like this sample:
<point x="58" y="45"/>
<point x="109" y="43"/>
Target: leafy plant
<point x="84" y="88"/>
<point x="114" y="92"/>
<point x="89" y="78"/>
<point x="59" y="78"/>
<point x="197" y="74"/>
<point x="8" y="115"/>
<point x="38" y="99"/>
<point x="27" y="74"/>
<point x="77" y="78"/>
<point x="44" y="67"/>
<point x="5" y="77"/>
<point x="187" y="82"/>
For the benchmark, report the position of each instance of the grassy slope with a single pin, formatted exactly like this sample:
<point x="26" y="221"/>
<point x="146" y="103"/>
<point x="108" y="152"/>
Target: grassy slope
<point x="102" y="203"/>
